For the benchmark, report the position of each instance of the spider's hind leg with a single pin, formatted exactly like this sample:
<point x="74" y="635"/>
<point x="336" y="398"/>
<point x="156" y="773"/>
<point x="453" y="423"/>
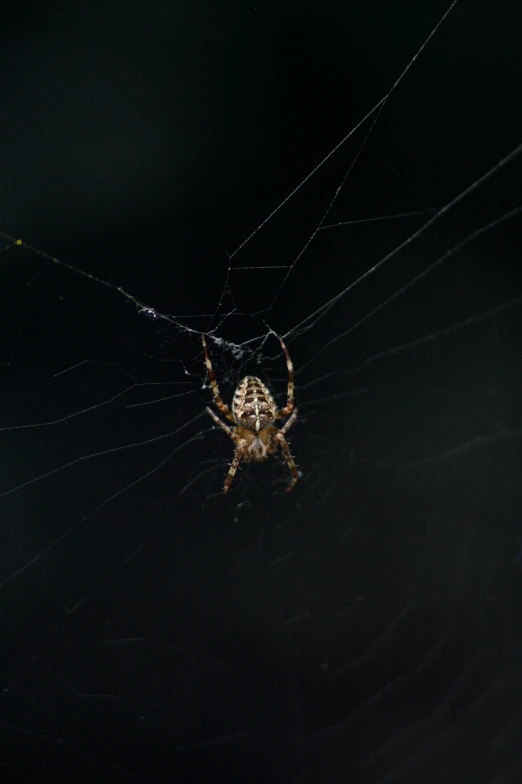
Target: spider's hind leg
<point x="289" y="459"/>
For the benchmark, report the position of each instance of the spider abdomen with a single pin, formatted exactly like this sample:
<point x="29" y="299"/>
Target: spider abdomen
<point x="253" y="406"/>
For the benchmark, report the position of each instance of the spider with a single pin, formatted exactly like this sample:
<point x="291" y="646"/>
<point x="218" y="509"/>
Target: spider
<point x="254" y="413"/>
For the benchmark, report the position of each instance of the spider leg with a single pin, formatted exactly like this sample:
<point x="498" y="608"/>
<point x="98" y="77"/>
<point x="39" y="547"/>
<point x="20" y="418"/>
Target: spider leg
<point x="240" y="446"/>
<point x="234" y="464"/>
<point x="228" y="430"/>
<point x="215" y="389"/>
<point x="288" y="424"/>
<point x="288" y="457"/>
<point x="290" y="393"/>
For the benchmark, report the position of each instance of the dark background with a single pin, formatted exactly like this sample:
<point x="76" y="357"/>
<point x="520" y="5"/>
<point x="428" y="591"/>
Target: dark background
<point x="366" y="628"/>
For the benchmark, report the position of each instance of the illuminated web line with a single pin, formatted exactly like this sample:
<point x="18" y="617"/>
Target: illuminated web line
<point x="319" y="226"/>
<point x="110" y="451"/>
<point x="314" y="317"/>
<point x="94" y="406"/>
<point x="357" y="221"/>
<point x="493" y="224"/>
<point x="329" y="207"/>
<point x="430" y="338"/>
<point x="107" y="500"/>
<point x="271" y="267"/>
<point x="141" y="307"/>
<point x="377" y="106"/>
<point x="118" y="493"/>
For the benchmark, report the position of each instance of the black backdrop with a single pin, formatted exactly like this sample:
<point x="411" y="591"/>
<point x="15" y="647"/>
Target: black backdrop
<point x="365" y="628"/>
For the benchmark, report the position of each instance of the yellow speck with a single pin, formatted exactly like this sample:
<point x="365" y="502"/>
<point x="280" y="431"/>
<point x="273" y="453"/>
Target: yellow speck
<point x="18" y="242"/>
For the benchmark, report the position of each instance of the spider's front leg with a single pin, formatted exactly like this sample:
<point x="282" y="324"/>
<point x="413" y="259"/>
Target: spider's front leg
<point x="240" y="448"/>
<point x="241" y="444"/>
<point x="228" y="430"/>
<point x="290" y="392"/>
<point x="213" y="383"/>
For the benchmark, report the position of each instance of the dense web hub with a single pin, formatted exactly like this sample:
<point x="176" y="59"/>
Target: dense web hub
<point x="281" y="258"/>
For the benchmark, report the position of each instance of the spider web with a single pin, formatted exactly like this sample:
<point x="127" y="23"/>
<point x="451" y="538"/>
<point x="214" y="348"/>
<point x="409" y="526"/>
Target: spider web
<point x="365" y="626"/>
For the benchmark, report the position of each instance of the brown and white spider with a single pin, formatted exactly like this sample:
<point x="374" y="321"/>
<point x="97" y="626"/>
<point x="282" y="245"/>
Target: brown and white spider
<point x="254" y="413"/>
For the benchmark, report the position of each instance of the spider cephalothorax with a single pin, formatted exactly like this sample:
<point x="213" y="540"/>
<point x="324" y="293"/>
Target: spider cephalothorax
<point x="254" y="412"/>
